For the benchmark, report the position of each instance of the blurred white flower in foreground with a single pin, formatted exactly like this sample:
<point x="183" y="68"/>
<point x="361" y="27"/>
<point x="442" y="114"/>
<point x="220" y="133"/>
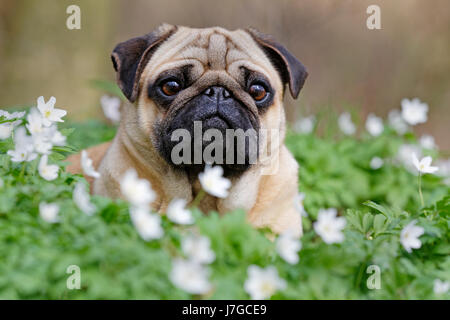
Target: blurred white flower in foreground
<point x="41" y="144"/>
<point x="49" y="212"/>
<point x="35" y="123"/>
<point x="427" y="141"/>
<point x="396" y="121"/>
<point x="288" y="247"/>
<point x="7" y="128"/>
<point x="55" y="137"/>
<point x="177" y="212"/>
<point x="10" y="116"/>
<point x="48" y="111"/>
<point x="198" y="249"/>
<point x="137" y="191"/>
<point x="24" y="150"/>
<point x="111" y="108"/>
<point x="82" y="199"/>
<point x="305" y="125"/>
<point x="298" y="204"/>
<point x="414" y="111"/>
<point x="147" y="224"/>
<point x="190" y="276"/>
<point x="404" y="155"/>
<point x="346" y="124"/>
<point x="263" y="283"/>
<point x="47" y="171"/>
<point x="86" y="164"/>
<point x="376" y="163"/>
<point x="409" y="236"/>
<point x="213" y="182"/>
<point x="440" y="287"/>
<point x="42" y="134"/>
<point x="374" y="125"/>
<point x="329" y="226"/>
<point x="424" y="165"/>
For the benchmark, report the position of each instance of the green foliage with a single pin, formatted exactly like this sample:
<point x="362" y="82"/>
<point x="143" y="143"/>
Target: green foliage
<point x="116" y="263"/>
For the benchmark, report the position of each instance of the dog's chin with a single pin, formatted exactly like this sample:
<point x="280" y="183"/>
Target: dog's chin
<point x="196" y="164"/>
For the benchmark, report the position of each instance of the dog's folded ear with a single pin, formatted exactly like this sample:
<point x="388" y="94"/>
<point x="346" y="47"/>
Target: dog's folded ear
<point x="129" y="58"/>
<point x="292" y="71"/>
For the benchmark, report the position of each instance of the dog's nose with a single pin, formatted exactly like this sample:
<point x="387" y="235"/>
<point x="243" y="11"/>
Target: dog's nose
<point x="217" y="93"/>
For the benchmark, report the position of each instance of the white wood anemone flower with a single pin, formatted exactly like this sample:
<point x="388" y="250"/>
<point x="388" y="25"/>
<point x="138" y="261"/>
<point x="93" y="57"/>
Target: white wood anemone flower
<point x="374" y="125"/>
<point x="82" y="199"/>
<point x="177" y="212"/>
<point x="47" y="171"/>
<point x="409" y="236"/>
<point x="22" y="153"/>
<point x="111" y="108"/>
<point x="44" y="138"/>
<point x="87" y="166"/>
<point x="147" y="224"/>
<point x="190" y="276"/>
<point x="213" y="182"/>
<point x="346" y="124"/>
<point x="440" y="287"/>
<point x="396" y="121"/>
<point x="7" y="128"/>
<point x="305" y="125"/>
<point x="24" y="148"/>
<point x="288" y="246"/>
<point x="424" y="165"/>
<point x="198" y="249"/>
<point x="414" y="111"/>
<point x="54" y="136"/>
<point x="49" y="113"/>
<point x="42" y="144"/>
<point x="49" y="212"/>
<point x="298" y="204"/>
<point x="376" y="163"/>
<point x="427" y="142"/>
<point x="35" y="122"/>
<point x="262" y="283"/>
<point x="329" y="226"/>
<point x="137" y="191"/>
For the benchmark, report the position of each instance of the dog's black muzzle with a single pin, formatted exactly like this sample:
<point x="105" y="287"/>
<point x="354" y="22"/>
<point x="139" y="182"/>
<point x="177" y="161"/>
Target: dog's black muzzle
<point x="215" y="108"/>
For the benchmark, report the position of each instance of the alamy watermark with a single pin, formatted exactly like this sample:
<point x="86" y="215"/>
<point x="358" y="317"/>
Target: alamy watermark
<point x="74" y="280"/>
<point x="373" y="21"/>
<point x="374" y="280"/>
<point x="235" y="147"/>
<point x="73" y="21"/>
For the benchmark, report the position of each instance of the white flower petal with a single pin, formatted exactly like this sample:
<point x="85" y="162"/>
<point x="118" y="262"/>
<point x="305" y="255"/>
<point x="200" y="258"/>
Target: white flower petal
<point x="190" y="276"/>
<point x="177" y="212"/>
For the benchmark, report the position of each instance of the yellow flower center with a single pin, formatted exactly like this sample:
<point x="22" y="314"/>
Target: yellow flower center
<point x="267" y="288"/>
<point x="47" y="113"/>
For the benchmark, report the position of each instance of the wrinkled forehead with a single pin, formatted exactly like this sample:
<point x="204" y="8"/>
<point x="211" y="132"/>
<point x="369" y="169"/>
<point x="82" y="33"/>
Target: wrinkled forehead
<point x="211" y="49"/>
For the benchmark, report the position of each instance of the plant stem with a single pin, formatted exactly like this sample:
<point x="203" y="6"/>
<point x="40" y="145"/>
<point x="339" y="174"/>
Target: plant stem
<point x="198" y="198"/>
<point x="22" y="172"/>
<point x="420" y="189"/>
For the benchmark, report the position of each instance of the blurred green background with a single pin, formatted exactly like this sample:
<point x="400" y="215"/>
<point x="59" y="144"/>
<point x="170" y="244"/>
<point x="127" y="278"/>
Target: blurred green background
<point x="349" y="65"/>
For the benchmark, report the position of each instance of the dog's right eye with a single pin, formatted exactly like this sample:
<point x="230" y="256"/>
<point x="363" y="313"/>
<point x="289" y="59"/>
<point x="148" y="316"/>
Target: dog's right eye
<point x="171" y="87"/>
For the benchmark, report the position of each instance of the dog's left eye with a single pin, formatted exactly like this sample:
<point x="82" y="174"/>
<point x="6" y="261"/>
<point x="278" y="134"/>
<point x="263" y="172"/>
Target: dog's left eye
<point x="257" y="91"/>
<point x="171" y="87"/>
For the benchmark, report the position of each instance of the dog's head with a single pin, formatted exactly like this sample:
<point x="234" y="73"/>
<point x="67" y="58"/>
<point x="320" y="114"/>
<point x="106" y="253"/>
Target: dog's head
<point x="179" y="77"/>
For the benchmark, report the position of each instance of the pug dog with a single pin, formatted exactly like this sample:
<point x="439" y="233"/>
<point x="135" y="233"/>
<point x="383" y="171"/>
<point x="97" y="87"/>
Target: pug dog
<point x="177" y="76"/>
